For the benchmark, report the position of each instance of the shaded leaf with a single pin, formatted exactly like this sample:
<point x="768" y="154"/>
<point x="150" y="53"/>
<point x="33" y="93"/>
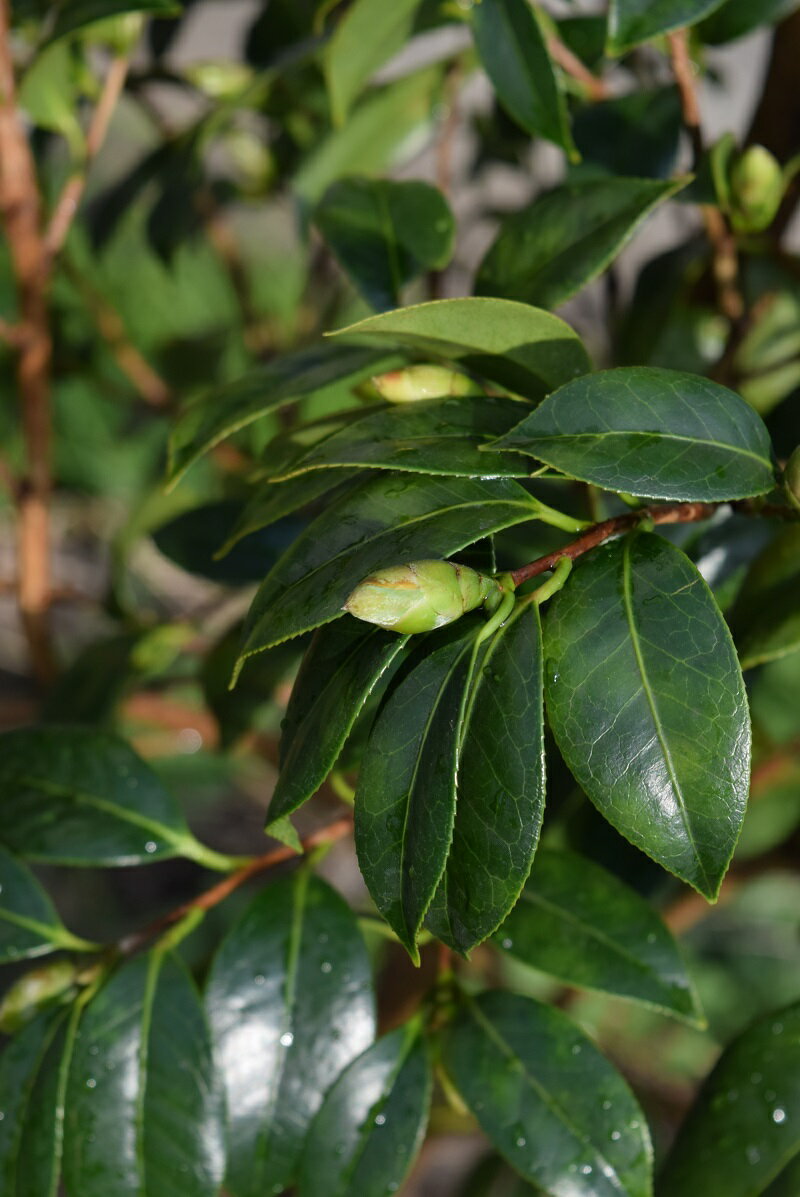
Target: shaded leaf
<point x="546" y="1098"/>
<point x="660" y="434"/>
<point x="191" y="540"/>
<point x="520" y="347"/>
<point x="29" y="923"/>
<point x="235" y="710"/>
<point x="41" y="1135"/>
<point x="548" y="250"/>
<point x="366" y="36"/>
<point x="500" y="786"/>
<point x="578" y="922"/>
<point x="637" y="134"/>
<point x="633" y="21"/>
<point x="744" y="1128"/>
<point x="20" y="1063"/>
<point x="766" y="616"/>
<point x="72" y="15"/>
<point x="494" y="1178"/>
<point x="272" y="501"/>
<point x="647" y="703"/>
<point x="372" y="1122"/>
<point x="735" y="18"/>
<point x="293" y="968"/>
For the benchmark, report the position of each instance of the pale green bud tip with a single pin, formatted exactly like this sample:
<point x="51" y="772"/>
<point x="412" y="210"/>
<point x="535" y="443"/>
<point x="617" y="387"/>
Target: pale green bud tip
<point x="757" y="187"/>
<point x="424" y="382"/>
<point x="791" y="478"/>
<point x="33" y="991"/>
<point x="420" y="596"/>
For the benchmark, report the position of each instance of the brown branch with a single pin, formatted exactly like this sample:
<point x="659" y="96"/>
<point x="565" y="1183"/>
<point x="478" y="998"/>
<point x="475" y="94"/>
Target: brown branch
<point x="223" y="889"/>
<point x="596" y="89"/>
<point x="72" y="193"/>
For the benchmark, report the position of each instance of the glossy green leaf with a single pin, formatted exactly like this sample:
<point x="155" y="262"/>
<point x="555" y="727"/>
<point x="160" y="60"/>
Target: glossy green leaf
<point x="744" y="1129"/>
<point x="631" y="22"/>
<point x="494" y="1178"/>
<point x="192" y="538"/>
<point x="513" y="51"/>
<point x="660" y="434"/>
<point x="339" y="672"/>
<point x="235" y="710"/>
<point x="29" y="923"/>
<point x="144" y="1108"/>
<point x="520" y="347"/>
<point x="272" y="501"/>
<point x="83" y="797"/>
<point x="735" y="18"/>
<point x="40" y="1145"/>
<point x="72" y="15"/>
<point x="293" y="970"/>
<point x="546" y="1098"/>
<point x="500" y="787"/>
<point x="636" y="135"/>
<point x="387" y="520"/>
<point x="647" y="703"/>
<point x="578" y="922"/>
<point x="50" y="94"/>
<point x="212" y="417"/>
<point x="372" y="1122"/>
<point x="405" y="797"/>
<point x="433" y="436"/>
<point x="766" y="616"/>
<point x="366" y="36"/>
<point x="548" y="250"/>
<point x="19" y="1065"/>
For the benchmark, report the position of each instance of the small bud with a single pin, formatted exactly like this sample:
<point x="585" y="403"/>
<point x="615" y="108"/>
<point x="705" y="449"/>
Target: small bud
<point x="33" y="991"/>
<point x="791" y="479"/>
<point x="219" y="79"/>
<point x="424" y="382"/>
<point x="421" y="596"/>
<point x="757" y="186"/>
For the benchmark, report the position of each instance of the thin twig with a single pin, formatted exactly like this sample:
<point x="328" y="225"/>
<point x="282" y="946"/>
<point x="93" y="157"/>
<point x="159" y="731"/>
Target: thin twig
<point x="596" y="89"/>
<point x="68" y="202"/>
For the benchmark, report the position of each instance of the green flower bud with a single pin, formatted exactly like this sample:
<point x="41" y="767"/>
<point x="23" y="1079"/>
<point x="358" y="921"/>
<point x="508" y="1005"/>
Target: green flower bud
<point x="791" y="478"/>
<point x="424" y="382"/>
<point x="421" y="596"/>
<point x="33" y="991"/>
<point x="219" y="79"/>
<point x="757" y="185"/>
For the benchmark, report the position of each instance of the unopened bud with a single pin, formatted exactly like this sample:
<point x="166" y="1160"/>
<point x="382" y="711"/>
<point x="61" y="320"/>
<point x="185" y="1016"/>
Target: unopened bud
<point x="421" y="596"/>
<point x="791" y="479"/>
<point x="219" y="79"/>
<point x="33" y="991"/>
<point x="424" y="382"/>
<point x="757" y="185"/>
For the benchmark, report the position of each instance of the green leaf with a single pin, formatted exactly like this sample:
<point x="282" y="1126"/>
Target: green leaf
<point x="386" y="233"/>
<point x="291" y="971"/>
<point x="513" y="51"/>
<point x="735" y="18"/>
<point x="548" y="250"/>
<point x="50" y="95"/>
<point x="274" y="500"/>
<point x="235" y="710"/>
<point x="211" y="418"/>
<point x="494" y="1178"/>
<point x="432" y="436"/>
<point x="192" y="538"/>
<point x="520" y="347"/>
<point x="660" y="434"/>
<point x="578" y="922"/>
<point x="340" y="670"/>
<point x="387" y="520"/>
<point x="29" y="924"/>
<point x="631" y="22"/>
<point x="20" y="1063"/>
<point x="647" y="703"/>
<point x="637" y="134"/>
<point x="766" y="616"/>
<point x="144" y="1108"/>
<point x="500" y="787"/>
<point x="72" y="15"/>
<point x="744" y="1128"/>
<point x="372" y="1122"/>
<point x="77" y="796"/>
<point x="367" y="35"/>
<point x="405" y="797"/>
<point x="546" y="1098"/>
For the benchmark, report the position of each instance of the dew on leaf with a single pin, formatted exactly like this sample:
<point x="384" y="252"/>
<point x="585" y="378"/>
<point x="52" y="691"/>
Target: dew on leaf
<point x="778" y="1115"/>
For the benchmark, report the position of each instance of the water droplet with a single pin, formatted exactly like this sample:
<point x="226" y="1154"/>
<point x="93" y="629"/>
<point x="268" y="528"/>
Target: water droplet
<point x="91" y="1083"/>
<point x="380" y="1119"/>
<point x="151" y="846"/>
<point x="341" y="1148"/>
<point x="616" y="1135"/>
<point x="778" y="1115"/>
<point x="651" y="938"/>
<point x="576" y="1049"/>
<point x="287" y="1039"/>
<point x="507" y="943"/>
<point x="521" y="1141"/>
<point x="753" y="1155"/>
<point x="2" y="1115"/>
<point x="322" y="937"/>
<point x="587" y="1169"/>
<point x="394" y="1186"/>
<point x="769" y="1094"/>
<point x="94" y="1049"/>
<point x="634" y="1125"/>
<point x="777" y="1028"/>
<point x="756" y="1078"/>
<point x="326" y="966"/>
<point x="606" y="1104"/>
<point x="259" y="979"/>
<point x="733" y="1095"/>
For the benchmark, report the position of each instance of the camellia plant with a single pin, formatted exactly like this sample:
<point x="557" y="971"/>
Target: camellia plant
<point x="500" y="636"/>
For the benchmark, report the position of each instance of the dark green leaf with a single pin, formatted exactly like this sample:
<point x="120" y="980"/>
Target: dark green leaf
<point x="273" y="500"/>
<point x="83" y="797"/>
<point x="744" y="1129"/>
<point x="387" y="520"/>
<point x="737" y="17"/>
<point x="500" y="788"/>
<point x="41" y="1142"/>
<point x="547" y="251"/>
<point x="660" y="434"/>
<point x="75" y="14"/>
<point x="578" y="922"/>
<point x="647" y="703"/>
<point x="372" y="1122"/>
<point x="90" y="689"/>
<point x="386" y="233"/>
<point x="494" y="1178"/>
<point x="235" y="710"/>
<point x="192" y="539"/>
<point x="144" y="1109"/>
<point x="788" y="1183"/>
<point x="211" y="418"/>
<point x="633" y="21"/>
<point x="766" y="617"/>
<point x="405" y="798"/>
<point x="339" y="672"/>
<point x="20" y="1064"/>
<point x="290" y="1004"/>
<point x="547" y="1099"/>
<point x="433" y="436"/>
<point x="29" y="924"/>
<point x="635" y="134"/>
<point x="514" y="54"/>
<point x="518" y="346"/>
<point x="367" y="35"/>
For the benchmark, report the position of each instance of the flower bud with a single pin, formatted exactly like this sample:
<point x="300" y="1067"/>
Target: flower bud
<point x="757" y="185"/>
<point x="421" y="596"/>
<point x="791" y="478"/>
<point x="424" y="382"/>
<point x="33" y="991"/>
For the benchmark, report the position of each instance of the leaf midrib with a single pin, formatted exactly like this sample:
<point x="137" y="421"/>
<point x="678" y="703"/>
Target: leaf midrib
<point x="636" y="432"/>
